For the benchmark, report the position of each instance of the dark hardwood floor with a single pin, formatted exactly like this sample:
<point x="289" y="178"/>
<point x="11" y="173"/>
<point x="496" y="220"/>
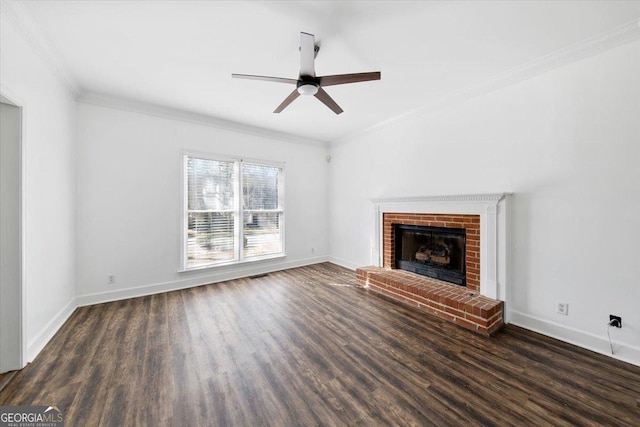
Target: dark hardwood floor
<point x="307" y="347"/>
<point x="5" y="378"/>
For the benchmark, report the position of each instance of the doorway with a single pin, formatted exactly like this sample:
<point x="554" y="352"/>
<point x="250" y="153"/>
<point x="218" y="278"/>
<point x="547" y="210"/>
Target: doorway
<point x="11" y="334"/>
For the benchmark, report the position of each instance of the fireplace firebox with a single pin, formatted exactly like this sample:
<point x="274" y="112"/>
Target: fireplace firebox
<point x="436" y="252"/>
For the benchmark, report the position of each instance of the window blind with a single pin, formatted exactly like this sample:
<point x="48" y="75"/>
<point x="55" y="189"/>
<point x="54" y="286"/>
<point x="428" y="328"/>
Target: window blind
<point x="262" y="210"/>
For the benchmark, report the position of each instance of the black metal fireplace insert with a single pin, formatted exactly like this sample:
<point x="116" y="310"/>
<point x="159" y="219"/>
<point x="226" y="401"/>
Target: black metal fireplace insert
<point x="436" y="252"/>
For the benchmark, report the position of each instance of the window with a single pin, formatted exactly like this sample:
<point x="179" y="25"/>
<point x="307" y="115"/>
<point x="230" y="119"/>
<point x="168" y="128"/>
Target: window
<point x="233" y="211"/>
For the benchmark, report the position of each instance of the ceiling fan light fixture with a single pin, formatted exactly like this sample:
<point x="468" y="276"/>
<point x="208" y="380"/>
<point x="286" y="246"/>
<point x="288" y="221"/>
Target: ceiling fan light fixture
<point x="308" y="89"/>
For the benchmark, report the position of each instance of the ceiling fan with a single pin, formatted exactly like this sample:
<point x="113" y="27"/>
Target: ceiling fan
<point x="307" y="82"/>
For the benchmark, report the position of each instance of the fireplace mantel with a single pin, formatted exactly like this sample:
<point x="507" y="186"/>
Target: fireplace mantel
<point x="493" y="212"/>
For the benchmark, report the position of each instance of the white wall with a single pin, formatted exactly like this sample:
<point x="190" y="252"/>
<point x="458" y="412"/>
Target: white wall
<point x="567" y="144"/>
<point x="48" y="154"/>
<point x="129" y="201"/>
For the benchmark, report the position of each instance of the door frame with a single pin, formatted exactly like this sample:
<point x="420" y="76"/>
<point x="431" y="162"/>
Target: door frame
<point x="9" y="97"/>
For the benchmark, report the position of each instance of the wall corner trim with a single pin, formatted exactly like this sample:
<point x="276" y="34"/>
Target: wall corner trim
<point x="44" y="336"/>
<point x="41" y="44"/>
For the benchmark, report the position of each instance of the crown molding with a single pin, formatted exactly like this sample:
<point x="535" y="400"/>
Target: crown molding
<point x="41" y="45"/>
<point x="616" y="36"/>
<point x="140" y="107"/>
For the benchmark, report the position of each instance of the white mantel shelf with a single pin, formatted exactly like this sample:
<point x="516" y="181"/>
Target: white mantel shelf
<point x="493" y="211"/>
<point x="496" y="197"/>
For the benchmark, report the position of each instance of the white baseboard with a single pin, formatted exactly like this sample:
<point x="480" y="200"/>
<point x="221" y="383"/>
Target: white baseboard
<point x="626" y="353"/>
<point x="37" y="344"/>
<point x="344" y="263"/>
<point x="214" y="277"/>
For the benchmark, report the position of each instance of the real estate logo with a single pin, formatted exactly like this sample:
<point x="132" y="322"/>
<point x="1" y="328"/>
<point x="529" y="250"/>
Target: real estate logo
<point x="31" y="416"/>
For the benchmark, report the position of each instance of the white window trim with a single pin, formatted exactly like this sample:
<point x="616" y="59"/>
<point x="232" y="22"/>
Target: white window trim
<point x="239" y="259"/>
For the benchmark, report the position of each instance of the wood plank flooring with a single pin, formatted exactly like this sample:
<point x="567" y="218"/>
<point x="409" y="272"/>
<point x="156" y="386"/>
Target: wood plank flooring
<point x="5" y="377"/>
<point x="308" y="347"/>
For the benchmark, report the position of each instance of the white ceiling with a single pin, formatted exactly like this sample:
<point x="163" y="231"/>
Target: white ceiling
<point x="181" y="54"/>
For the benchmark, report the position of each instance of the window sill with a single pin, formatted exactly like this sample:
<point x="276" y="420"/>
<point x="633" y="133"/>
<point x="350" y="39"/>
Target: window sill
<point x="230" y="263"/>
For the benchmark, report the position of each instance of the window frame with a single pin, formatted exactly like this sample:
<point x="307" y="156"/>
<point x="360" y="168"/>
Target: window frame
<point x="238" y="210"/>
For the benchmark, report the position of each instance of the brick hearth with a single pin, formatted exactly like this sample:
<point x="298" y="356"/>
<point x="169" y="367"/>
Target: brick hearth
<point x="451" y="302"/>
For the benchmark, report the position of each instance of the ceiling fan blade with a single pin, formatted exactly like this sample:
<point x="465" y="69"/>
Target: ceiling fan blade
<point x="307" y="54"/>
<point x="264" y="78"/>
<point x="341" y="79"/>
<point x="288" y="100"/>
<point x="328" y="101"/>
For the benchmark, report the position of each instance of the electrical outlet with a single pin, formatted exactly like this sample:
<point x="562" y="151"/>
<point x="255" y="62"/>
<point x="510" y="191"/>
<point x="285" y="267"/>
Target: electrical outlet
<point x="562" y="308"/>
<point x="615" y="321"/>
<point x="111" y="280"/>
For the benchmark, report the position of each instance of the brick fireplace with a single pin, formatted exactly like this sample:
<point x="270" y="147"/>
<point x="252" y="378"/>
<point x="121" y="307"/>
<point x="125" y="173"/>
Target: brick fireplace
<point x="475" y="306"/>
<point x="470" y="223"/>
